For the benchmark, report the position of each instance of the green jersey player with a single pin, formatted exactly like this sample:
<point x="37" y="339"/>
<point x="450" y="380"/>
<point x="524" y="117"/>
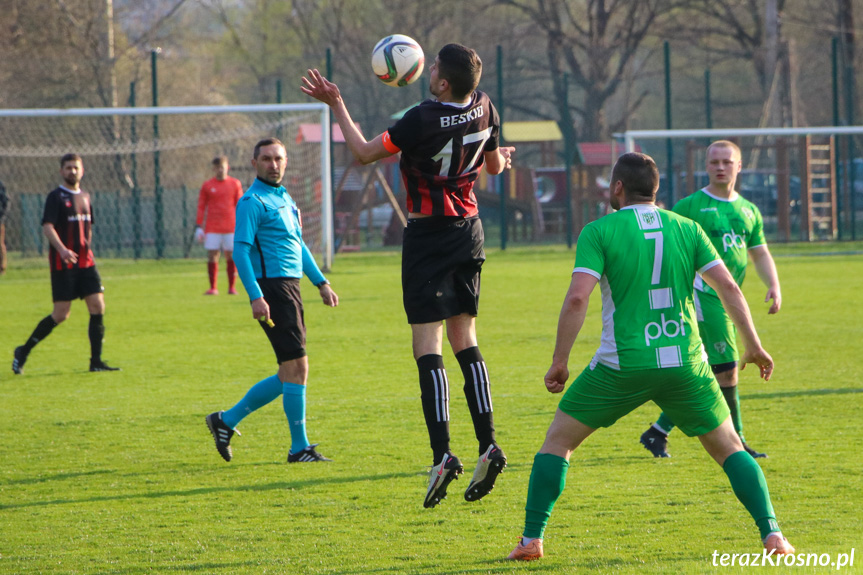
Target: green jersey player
<point x="645" y="260"/>
<point x="735" y="228"/>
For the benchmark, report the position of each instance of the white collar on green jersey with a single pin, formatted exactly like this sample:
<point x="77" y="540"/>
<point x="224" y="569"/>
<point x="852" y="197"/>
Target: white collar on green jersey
<point x="733" y="196"/>
<point x="650" y="206"/>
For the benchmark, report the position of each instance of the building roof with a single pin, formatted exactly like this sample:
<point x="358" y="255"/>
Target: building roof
<point x="602" y="153"/>
<point x="312" y="133"/>
<point x="521" y="132"/>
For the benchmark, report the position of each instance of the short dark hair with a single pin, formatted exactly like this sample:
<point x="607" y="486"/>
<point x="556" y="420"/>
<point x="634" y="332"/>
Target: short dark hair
<point x="266" y="142"/>
<point x="639" y="175"/>
<point x="70" y="158"/>
<point x="461" y="67"/>
<point x="219" y="160"/>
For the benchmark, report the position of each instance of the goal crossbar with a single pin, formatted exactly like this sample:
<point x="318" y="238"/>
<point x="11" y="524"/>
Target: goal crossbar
<point x="327" y="231"/>
<point x="630" y="136"/>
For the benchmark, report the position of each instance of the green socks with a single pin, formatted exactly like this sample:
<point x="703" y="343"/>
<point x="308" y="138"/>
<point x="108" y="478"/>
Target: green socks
<point x="547" y="480"/>
<point x="732" y="398"/>
<point x="665" y="423"/>
<point x="750" y="487"/>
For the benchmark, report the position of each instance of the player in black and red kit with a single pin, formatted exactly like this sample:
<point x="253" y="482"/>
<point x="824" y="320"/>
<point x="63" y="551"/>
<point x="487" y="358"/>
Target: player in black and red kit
<point x="444" y="143"/>
<point x="67" y="223"/>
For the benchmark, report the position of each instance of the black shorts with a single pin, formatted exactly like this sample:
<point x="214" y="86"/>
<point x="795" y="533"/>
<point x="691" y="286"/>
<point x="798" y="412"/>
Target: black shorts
<point x="288" y="337"/>
<point x="75" y="283"/>
<point x="441" y="262"/>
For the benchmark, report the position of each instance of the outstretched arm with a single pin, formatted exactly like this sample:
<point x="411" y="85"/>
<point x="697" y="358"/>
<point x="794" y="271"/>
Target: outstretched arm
<point x="766" y="268"/>
<point x="735" y="305"/>
<point x="321" y="89"/>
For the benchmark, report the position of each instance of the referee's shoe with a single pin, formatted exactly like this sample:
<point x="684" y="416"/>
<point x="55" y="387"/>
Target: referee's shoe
<point x="222" y="434"/>
<point x="307" y="455"/>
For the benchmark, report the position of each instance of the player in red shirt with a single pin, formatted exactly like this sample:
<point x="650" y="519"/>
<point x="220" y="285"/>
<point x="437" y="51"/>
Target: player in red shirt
<point x="443" y="143"/>
<point x="217" y="203"/>
<point x="67" y="223"/>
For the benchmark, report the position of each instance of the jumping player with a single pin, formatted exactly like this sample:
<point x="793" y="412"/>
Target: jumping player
<point x="217" y="202"/>
<point x="444" y="143"/>
<point x="735" y="227"/>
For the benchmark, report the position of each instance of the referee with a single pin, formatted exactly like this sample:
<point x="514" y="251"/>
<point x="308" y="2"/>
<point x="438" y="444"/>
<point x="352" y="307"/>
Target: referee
<point x="271" y="257"/>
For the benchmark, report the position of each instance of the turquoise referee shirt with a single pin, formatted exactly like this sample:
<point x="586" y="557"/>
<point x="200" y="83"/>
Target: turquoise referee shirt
<point x="268" y="241"/>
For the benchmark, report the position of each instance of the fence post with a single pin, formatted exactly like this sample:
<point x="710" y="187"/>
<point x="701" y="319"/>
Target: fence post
<point x="157" y="186"/>
<point x="136" y="190"/>
<point x="501" y="188"/>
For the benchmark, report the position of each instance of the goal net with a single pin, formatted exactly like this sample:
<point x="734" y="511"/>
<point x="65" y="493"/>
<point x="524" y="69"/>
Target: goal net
<point x="144" y="167"/>
<point x="807" y="182"/>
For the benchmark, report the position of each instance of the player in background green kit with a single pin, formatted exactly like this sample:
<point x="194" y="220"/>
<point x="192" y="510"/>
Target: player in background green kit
<point x="735" y="227"/>
<point x="645" y="260"/>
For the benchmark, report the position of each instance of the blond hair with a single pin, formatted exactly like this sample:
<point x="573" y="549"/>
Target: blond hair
<point x="726" y="144"/>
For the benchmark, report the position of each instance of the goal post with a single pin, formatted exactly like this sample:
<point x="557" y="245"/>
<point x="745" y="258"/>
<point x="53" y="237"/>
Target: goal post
<point x="144" y="167"/>
<point x="807" y="181"/>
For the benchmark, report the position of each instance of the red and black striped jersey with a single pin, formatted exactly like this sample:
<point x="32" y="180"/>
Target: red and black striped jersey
<point x="71" y="214"/>
<point x="442" y="147"/>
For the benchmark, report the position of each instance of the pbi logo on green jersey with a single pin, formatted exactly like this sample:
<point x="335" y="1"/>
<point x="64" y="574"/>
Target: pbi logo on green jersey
<point x="666" y="327"/>
<point x="732" y="240"/>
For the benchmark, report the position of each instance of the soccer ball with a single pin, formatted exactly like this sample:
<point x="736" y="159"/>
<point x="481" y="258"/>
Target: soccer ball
<point x="398" y="60"/>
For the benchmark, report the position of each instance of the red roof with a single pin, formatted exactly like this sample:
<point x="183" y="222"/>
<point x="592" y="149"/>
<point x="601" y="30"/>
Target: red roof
<point x="602" y="153"/>
<point x="312" y="133"/>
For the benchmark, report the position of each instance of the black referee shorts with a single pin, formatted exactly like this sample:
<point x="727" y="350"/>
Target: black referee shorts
<point x="442" y="258"/>
<point x="288" y="337"/>
<point x="75" y="283"/>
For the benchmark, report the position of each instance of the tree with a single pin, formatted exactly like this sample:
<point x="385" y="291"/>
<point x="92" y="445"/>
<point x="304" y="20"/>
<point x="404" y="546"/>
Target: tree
<point x="594" y="43"/>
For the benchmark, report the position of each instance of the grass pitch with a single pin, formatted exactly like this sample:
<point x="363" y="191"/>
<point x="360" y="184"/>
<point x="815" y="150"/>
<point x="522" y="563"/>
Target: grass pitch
<point x="117" y="473"/>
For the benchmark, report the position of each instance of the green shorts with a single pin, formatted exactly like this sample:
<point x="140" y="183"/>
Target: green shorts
<point x="716" y="329"/>
<point x="689" y="395"/>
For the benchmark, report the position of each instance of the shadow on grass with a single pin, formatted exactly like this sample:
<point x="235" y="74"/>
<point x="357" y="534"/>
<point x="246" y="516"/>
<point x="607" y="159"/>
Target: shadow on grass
<point x="195" y="567"/>
<point x="56" y="477"/>
<point x="805" y="393"/>
<point x="281" y="485"/>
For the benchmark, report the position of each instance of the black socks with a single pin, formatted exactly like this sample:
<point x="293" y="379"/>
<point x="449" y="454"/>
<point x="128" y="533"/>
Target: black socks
<point x="478" y="395"/>
<point x="41" y="332"/>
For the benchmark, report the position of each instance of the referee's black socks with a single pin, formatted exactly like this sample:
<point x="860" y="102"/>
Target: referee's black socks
<point x="478" y="394"/>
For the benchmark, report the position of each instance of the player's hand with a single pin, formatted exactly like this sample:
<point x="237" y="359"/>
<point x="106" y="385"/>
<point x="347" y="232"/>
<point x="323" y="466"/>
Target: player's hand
<point x="759" y="357"/>
<point x="68" y="256"/>
<point x="319" y="88"/>
<point x="555" y="379"/>
<point x="329" y="296"/>
<point x="199" y="235"/>
<point x="261" y="310"/>
<point x="506" y="152"/>
<point x="775" y="295"/>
